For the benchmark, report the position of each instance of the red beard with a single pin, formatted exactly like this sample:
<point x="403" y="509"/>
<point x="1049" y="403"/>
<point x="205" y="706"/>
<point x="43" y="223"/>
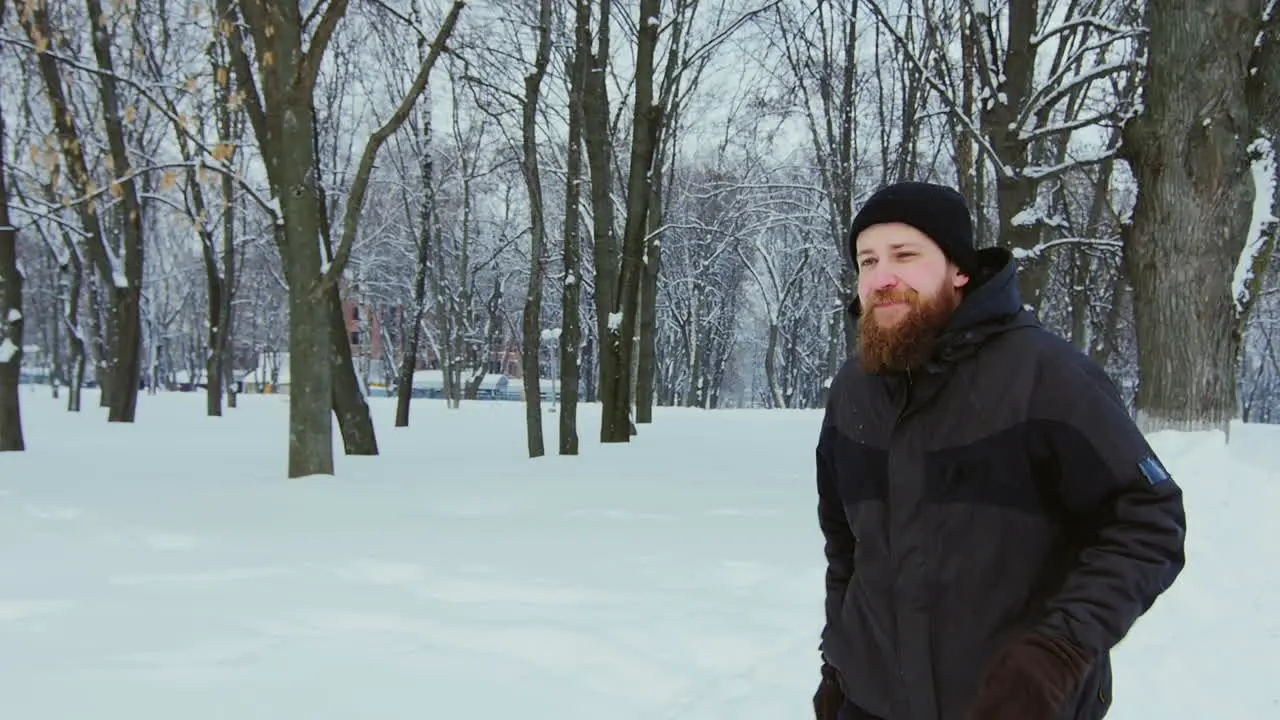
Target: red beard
<point x="908" y="343"/>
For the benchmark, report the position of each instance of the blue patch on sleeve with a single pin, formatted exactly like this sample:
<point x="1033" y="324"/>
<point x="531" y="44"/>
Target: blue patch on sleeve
<point x="1153" y="471"/>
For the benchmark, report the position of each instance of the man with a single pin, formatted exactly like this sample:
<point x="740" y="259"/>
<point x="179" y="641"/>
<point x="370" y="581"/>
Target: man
<point x="994" y="522"/>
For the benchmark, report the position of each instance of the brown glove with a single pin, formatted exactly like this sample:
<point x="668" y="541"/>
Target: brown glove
<point x="1031" y="679"/>
<point x="829" y="698"/>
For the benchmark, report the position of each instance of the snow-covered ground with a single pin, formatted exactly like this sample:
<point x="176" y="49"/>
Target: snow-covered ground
<point x="168" y="570"/>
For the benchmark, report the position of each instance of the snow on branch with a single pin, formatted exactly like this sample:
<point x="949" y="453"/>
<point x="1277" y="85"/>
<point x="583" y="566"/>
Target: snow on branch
<point x="1070" y="25"/>
<point x="1044" y="172"/>
<point x="268" y="204"/>
<point x="1067" y="126"/>
<point x="1111" y="243"/>
<point x="1262" y="225"/>
<point x="1058" y="85"/>
<point x="355" y="200"/>
<point x="978" y="136"/>
<point x="123" y="79"/>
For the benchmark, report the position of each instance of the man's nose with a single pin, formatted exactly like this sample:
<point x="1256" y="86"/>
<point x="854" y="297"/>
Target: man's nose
<point x="883" y="279"/>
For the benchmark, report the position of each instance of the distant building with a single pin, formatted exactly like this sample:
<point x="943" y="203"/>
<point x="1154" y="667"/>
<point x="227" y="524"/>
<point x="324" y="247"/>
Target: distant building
<point x="365" y="322"/>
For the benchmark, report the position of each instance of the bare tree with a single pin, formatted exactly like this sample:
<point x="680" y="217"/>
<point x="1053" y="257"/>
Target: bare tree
<point x="571" y="320"/>
<point x="821" y="54"/>
<point x="532" y="317"/>
<point x="688" y="55"/>
<point x="120" y="268"/>
<point x="282" y="116"/>
<point x="618" y="344"/>
<point x="418" y="302"/>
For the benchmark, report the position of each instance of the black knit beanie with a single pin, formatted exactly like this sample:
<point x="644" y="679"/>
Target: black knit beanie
<point x="935" y="210"/>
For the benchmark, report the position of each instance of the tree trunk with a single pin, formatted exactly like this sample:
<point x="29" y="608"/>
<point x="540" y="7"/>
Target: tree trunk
<point x="221" y="283"/>
<point x="226" y="364"/>
<point x="532" y="317"/>
<point x="286" y="136"/>
<point x="127" y="285"/>
<point x="349" y="404"/>
<point x="604" y="250"/>
<point x="11" y="321"/>
<point x="75" y="340"/>
<point x="117" y="334"/>
<point x="615" y="423"/>
<point x="57" y="372"/>
<point x="570" y="300"/>
<point x="649" y="303"/>
<point x="1188" y="152"/>
<point x="213" y="362"/>
<point x="409" y="359"/>
<point x="771" y="367"/>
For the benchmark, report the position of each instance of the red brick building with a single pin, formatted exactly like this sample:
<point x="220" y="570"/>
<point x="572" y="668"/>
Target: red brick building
<point x="364" y="331"/>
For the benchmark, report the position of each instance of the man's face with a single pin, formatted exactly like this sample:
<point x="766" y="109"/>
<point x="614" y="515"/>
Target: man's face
<point x="908" y="290"/>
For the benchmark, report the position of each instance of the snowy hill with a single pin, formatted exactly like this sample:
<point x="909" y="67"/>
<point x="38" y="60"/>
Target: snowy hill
<point x="169" y="571"/>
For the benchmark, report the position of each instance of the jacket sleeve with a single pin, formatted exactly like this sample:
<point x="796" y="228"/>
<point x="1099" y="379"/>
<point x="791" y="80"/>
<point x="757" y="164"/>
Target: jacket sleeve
<point x="1124" y="506"/>
<point x="838" y="540"/>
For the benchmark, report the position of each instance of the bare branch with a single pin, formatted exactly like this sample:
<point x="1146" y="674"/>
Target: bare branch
<point x="355" y="202"/>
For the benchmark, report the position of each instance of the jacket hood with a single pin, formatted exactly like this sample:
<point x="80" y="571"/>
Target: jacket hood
<point x="994" y="294"/>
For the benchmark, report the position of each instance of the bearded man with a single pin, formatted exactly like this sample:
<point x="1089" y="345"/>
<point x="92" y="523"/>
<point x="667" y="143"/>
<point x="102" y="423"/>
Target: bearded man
<point x="994" y="521"/>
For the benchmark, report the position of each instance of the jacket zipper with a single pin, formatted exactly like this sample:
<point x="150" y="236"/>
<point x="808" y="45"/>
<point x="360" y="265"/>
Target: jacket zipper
<point x="894" y="432"/>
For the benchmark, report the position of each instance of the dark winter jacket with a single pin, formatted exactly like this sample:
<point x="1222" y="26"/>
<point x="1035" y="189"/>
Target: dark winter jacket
<point x="1000" y="488"/>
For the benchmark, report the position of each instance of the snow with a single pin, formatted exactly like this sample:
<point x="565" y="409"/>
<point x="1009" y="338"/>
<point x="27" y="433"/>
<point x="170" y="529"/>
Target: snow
<point x="277" y="214"/>
<point x="169" y="570"/>
<point x="1026" y="217"/>
<point x="1263" y="218"/>
<point x="14" y="315"/>
<point x="7" y="350"/>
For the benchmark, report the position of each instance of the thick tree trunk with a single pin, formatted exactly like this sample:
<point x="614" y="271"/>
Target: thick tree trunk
<point x="1016" y="193"/>
<point x="310" y="372"/>
<point x="310" y="334"/>
<point x="11" y="321"/>
<point x="288" y="143"/>
<point x="1188" y="151"/>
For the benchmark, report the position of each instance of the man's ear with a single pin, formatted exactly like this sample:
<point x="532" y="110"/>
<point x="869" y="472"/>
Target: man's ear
<point x="959" y="280"/>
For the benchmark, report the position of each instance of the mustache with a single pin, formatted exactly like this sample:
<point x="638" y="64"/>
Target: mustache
<point x="893" y="296"/>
